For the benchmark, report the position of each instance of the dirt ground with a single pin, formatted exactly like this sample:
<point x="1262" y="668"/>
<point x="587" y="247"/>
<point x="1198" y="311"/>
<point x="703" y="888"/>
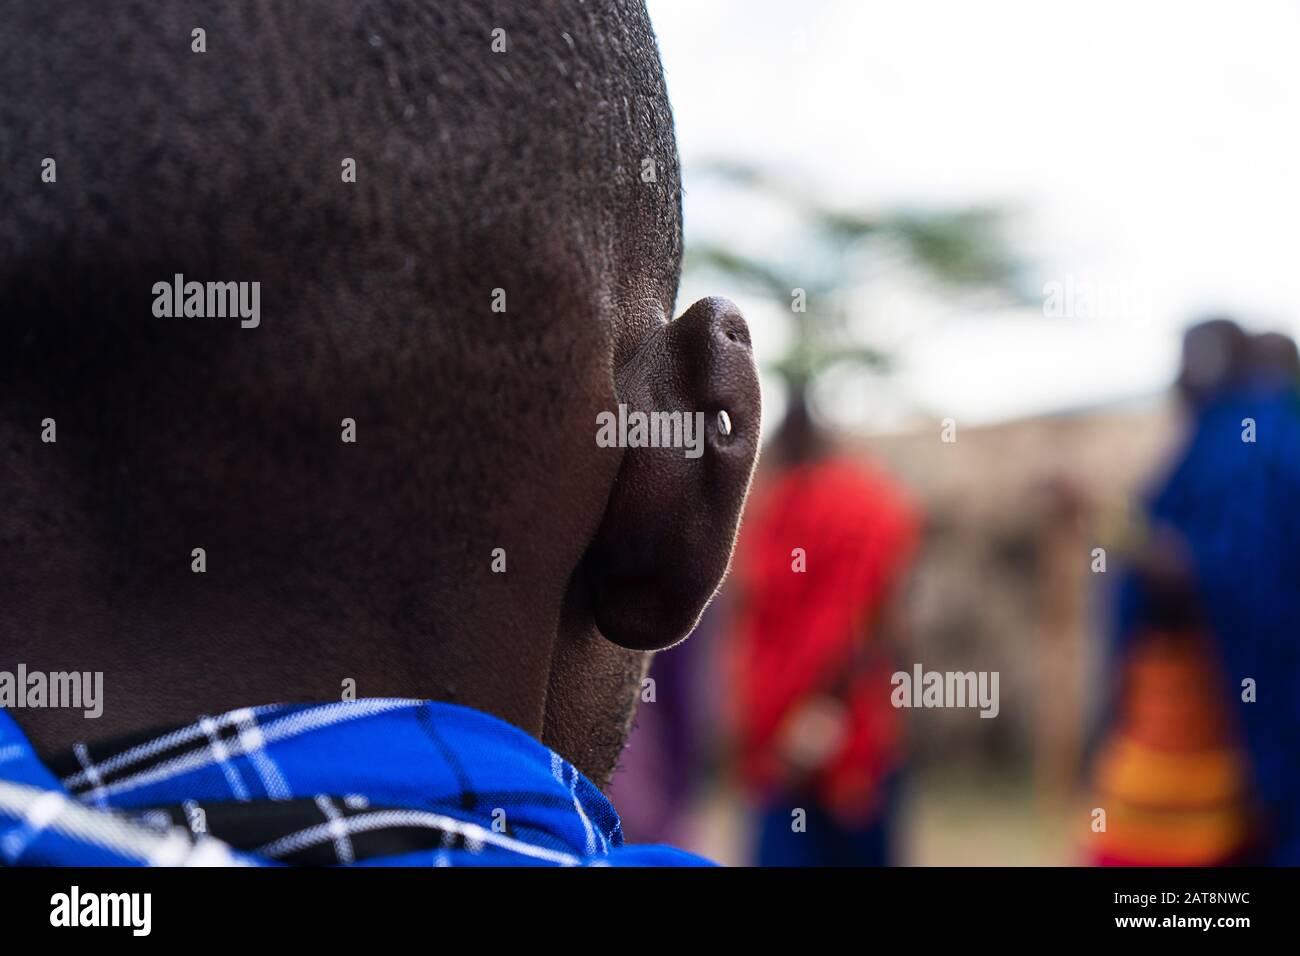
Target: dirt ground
<point x="945" y="820"/>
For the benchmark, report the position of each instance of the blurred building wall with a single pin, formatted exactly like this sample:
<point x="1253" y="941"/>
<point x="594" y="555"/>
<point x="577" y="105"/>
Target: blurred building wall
<point x="1004" y="582"/>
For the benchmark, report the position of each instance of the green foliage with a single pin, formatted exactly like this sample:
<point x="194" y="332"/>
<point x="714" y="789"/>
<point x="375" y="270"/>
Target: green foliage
<point x="959" y="251"/>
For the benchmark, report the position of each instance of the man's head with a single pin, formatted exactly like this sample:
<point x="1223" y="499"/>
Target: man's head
<point x="1274" y="360"/>
<point x="1214" y="358"/>
<point x="501" y="271"/>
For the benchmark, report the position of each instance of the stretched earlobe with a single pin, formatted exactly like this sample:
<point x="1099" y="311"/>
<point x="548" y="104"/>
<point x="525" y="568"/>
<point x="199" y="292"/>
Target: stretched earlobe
<point x="665" y="541"/>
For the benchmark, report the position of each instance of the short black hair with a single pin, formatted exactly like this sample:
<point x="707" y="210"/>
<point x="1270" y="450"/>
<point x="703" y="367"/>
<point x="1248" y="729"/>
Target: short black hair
<point x="549" y="170"/>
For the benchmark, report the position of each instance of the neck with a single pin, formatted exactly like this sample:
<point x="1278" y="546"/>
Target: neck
<point x="167" y="657"/>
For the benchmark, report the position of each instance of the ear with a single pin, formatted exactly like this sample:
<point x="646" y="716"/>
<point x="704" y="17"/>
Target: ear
<point x="665" y="541"/>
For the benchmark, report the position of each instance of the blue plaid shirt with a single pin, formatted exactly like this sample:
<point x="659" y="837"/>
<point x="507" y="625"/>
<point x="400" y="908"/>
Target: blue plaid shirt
<point x="368" y="783"/>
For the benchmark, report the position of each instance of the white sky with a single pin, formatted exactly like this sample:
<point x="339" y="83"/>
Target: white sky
<point x="1151" y="148"/>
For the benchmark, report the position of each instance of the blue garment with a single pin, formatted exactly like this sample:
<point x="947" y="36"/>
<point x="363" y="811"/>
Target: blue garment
<point x="1237" y="505"/>
<point x="823" y="840"/>
<point x="374" y="782"/>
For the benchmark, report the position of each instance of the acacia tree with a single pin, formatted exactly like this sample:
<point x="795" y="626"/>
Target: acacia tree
<point x="958" y="251"/>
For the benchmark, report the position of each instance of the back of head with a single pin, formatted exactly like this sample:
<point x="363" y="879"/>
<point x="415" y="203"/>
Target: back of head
<point x="455" y="301"/>
<point x="1214" y="358"/>
<point x="1274" y="361"/>
<point x="451" y="233"/>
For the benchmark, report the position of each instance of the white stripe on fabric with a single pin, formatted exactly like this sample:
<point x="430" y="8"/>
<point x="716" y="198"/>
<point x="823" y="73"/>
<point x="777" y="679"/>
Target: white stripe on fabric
<point x="141" y="752"/>
<point x="586" y="822"/>
<point x="39" y="813"/>
<point x="221" y="756"/>
<point x="338" y="830"/>
<point x="254" y="745"/>
<point x="92" y="773"/>
<point x="273" y="732"/>
<point x="559" y="770"/>
<point x="193" y="732"/>
<point x="381" y="819"/>
<point x="115" y="834"/>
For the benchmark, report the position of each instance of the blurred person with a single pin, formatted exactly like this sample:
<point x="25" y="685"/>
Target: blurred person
<point x="482" y="573"/>
<point x="826" y="545"/>
<point x="670" y="750"/>
<point x="1274" y="362"/>
<point x="1200" y="765"/>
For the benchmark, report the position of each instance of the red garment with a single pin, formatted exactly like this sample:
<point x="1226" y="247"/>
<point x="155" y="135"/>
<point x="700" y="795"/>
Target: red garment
<point x="803" y="633"/>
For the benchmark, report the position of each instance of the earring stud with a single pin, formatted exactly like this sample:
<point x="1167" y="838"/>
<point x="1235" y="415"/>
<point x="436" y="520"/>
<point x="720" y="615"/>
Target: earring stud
<point x="724" y="422"/>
